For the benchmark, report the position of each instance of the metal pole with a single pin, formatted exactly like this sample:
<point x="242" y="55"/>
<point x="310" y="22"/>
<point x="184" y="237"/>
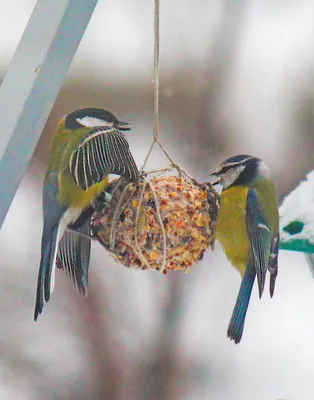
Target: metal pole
<point x="32" y="83"/>
<point x="310" y="260"/>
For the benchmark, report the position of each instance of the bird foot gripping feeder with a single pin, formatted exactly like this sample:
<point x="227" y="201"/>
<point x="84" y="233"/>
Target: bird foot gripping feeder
<point x="165" y="223"/>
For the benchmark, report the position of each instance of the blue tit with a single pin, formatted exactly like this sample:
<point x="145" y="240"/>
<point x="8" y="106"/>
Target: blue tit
<point x="248" y="228"/>
<point x="87" y="146"/>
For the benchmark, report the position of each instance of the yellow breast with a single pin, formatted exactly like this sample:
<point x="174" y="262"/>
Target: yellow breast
<point x="73" y="196"/>
<point x="231" y="227"/>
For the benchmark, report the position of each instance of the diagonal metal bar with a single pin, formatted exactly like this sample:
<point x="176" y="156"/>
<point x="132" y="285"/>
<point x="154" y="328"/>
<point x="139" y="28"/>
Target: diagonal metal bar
<point x="32" y="83"/>
<point x="310" y="260"/>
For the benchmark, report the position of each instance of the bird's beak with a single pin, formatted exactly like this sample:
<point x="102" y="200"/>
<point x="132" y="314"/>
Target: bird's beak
<point x="217" y="181"/>
<point x="124" y="126"/>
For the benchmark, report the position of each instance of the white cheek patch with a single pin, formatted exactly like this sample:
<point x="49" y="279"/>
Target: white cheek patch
<point x="231" y="175"/>
<point x="91" y="122"/>
<point x="263" y="170"/>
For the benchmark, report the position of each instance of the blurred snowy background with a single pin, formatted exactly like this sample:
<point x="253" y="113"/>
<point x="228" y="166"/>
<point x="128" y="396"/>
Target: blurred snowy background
<point x="236" y="77"/>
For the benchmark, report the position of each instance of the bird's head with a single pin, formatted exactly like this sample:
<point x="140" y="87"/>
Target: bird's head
<point x="242" y="169"/>
<point x="93" y="118"/>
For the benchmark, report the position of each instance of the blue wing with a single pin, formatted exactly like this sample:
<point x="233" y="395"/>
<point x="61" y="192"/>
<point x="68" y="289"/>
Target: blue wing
<point x="260" y="236"/>
<point x="264" y="257"/>
<point x="53" y="212"/>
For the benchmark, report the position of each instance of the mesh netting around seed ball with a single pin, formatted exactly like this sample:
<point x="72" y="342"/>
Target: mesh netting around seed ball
<point x="165" y="223"/>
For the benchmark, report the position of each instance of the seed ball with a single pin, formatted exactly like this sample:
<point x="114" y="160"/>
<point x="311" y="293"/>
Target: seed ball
<point x="167" y="228"/>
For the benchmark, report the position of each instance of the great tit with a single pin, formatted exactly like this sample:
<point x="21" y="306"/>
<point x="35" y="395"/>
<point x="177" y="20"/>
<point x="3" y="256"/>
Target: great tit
<point x="88" y="145"/>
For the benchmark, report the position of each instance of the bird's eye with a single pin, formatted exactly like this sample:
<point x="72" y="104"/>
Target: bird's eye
<point x="294" y="227"/>
<point x="223" y="170"/>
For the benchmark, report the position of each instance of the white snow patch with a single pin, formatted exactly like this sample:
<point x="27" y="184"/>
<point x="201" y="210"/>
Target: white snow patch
<point x="299" y="206"/>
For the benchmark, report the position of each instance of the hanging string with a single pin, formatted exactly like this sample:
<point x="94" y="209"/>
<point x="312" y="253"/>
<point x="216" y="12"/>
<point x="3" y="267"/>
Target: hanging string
<point x="156" y="71"/>
<point x="147" y="175"/>
<point x="156" y="96"/>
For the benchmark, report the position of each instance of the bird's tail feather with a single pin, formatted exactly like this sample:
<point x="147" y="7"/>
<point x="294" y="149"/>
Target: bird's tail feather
<point x="46" y="269"/>
<point x="236" y="325"/>
<point x="74" y="254"/>
<point x="50" y="273"/>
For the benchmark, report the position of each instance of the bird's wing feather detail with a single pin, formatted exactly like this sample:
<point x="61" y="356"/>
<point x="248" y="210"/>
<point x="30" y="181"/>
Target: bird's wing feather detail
<point x="74" y="254"/>
<point x="260" y="237"/>
<point x="100" y="153"/>
<point x="273" y="263"/>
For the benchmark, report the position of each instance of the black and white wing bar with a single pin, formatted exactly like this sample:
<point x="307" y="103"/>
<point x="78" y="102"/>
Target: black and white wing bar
<point x="102" y="152"/>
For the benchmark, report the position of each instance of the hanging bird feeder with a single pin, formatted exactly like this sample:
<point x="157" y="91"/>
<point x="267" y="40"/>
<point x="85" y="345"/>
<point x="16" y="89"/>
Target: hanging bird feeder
<point x="163" y="223"/>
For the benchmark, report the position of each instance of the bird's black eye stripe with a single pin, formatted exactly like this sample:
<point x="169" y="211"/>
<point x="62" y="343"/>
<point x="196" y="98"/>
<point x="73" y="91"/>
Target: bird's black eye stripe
<point x="224" y="169"/>
<point x="227" y="167"/>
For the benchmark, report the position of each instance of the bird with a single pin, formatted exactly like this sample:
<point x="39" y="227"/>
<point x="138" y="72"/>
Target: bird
<point x="248" y="228"/>
<point x="87" y="146"/>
